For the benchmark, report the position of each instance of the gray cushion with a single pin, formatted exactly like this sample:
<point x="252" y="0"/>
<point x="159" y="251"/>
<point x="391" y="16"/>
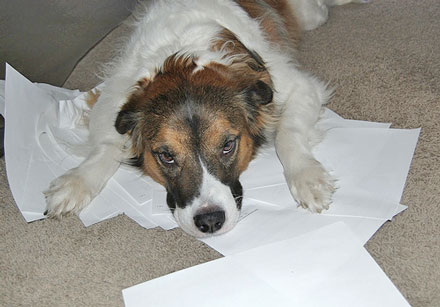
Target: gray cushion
<point x="44" y="39"/>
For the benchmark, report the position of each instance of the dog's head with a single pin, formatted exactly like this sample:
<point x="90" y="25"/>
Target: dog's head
<point x="194" y="130"/>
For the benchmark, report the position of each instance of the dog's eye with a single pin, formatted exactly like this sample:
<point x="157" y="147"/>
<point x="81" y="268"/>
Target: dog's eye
<point x="229" y="147"/>
<point x="166" y="158"/>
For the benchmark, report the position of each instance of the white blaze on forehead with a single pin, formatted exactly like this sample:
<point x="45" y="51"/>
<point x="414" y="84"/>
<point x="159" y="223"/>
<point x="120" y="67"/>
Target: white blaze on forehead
<point x="213" y="193"/>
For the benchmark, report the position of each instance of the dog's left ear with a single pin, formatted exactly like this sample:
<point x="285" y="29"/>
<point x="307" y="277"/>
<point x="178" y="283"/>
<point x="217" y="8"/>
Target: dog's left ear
<point x="259" y="93"/>
<point x="258" y="99"/>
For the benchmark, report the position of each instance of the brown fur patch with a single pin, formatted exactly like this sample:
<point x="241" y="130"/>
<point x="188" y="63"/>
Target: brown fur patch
<point x="265" y="117"/>
<point x="92" y="97"/>
<point x="276" y="19"/>
<point x="171" y="135"/>
<point x="214" y="135"/>
<point x="152" y="169"/>
<point x="183" y="177"/>
<point x="191" y="113"/>
<point x="178" y="74"/>
<point x="245" y="65"/>
<point x="246" y="152"/>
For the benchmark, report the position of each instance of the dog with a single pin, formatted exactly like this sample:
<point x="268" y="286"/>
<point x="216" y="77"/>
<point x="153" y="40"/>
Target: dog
<point x="198" y="89"/>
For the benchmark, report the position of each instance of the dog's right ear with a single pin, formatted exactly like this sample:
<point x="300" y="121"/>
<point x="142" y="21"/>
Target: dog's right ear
<point x="126" y="121"/>
<point x="128" y="117"/>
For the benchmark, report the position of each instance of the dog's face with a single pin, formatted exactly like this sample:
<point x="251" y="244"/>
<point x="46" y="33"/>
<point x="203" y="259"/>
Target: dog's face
<point x="195" y="130"/>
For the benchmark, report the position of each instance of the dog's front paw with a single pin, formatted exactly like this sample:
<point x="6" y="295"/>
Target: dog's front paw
<point x="312" y="187"/>
<point x="67" y="193"/>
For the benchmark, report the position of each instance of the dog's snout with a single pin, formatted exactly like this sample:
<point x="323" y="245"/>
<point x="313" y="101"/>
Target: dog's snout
<point x="210" y="222"/>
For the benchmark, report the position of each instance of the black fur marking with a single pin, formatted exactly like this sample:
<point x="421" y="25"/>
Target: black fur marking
<point x="259" y="94"/>
<point x="171" y="202"/>
<point x="193" y="120"/>
<point x="259" y="140"/>
<point x="136" y="161"/>
<point x="180" y="194"/>
<point x="256" y="96"/>
<point x="190" y="109"/>
<point x="125" y="121"/>
<point x="259" y="64"/>
<point x="237" y="192"/>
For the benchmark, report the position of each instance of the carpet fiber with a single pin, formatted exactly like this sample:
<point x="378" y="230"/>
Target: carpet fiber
<point x="384" y="59"/>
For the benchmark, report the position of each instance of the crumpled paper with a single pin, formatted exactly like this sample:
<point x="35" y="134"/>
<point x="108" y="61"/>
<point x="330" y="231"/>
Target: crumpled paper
<point x="278" y="250"/>
<point x="45" y="127"/>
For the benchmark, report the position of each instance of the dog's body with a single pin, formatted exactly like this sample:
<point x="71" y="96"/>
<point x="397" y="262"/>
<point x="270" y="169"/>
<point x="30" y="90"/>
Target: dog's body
<point x="198" y="89"/>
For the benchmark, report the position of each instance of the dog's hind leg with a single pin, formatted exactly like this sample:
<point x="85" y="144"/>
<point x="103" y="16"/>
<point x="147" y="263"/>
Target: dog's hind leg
<point x="310" y="184"/>
<point x="342" y="2"/>
<point x="313" y="13"/>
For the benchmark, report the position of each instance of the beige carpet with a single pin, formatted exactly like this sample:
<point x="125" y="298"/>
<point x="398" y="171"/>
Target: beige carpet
<point x="383" y="57"/>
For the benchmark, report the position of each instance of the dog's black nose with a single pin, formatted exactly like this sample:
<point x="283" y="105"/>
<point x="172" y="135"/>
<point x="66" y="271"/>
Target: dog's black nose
<point x="210" y="222"/>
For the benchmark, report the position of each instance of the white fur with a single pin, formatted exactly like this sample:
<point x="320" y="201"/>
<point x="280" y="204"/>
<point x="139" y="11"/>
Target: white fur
<point x="212" y="193"/>
<point x="314" y="13"/>
<point x="188" y="27"/>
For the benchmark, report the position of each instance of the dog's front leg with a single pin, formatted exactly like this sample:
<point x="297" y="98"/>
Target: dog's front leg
<point x="75" y="189"/>
<point x="310" y="184"/>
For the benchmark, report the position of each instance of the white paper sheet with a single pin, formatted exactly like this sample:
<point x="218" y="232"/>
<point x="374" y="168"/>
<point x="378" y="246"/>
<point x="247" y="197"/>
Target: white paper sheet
<point x="2" y="97"/>
<point x="266" y="225"/>
<point x="325" y="267"/>
<point x="369" y="160"/>
<point x="25" y="167"/>
<point x="370" y="165"/>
